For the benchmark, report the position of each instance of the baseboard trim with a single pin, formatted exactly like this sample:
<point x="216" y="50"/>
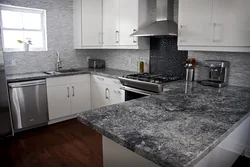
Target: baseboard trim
<point x="62" y="119"/>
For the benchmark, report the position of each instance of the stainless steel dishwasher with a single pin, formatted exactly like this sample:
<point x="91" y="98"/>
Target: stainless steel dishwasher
<point x="29" y="104"/>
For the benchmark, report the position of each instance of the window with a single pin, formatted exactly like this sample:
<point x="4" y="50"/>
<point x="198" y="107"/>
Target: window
<point x="24" y="24"/>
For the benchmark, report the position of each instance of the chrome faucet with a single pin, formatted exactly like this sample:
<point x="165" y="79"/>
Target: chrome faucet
<point x="59" y="62"/>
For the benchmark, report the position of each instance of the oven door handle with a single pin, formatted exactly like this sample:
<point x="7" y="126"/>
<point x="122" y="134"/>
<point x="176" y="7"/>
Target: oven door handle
<point x="143" y="92"/>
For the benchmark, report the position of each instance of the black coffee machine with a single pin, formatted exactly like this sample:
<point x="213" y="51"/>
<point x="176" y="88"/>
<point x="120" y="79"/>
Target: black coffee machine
<point x="218" y="71"/>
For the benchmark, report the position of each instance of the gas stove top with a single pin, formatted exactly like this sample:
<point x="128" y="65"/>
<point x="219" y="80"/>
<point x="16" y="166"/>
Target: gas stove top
<point x="153" y="78"/>
<point x="146" y="81"/>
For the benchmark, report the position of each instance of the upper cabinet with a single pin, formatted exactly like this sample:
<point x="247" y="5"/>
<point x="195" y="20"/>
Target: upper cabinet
<point x="216" y="25"/>
<point x="108" y="24"/>
<point x="87" y="20"/>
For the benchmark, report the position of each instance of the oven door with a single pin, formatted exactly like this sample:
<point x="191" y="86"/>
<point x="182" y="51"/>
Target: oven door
<point x="133" y="93"/>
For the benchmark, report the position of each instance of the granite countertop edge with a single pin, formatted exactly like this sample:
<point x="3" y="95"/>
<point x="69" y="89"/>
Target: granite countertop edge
<point x="217" y="142"/>
<point x="107" y="72"/>
<point x="125" y="144"/>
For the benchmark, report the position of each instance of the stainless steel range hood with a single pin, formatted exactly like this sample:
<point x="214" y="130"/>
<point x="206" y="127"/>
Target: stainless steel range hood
<point x="164" y="24"/>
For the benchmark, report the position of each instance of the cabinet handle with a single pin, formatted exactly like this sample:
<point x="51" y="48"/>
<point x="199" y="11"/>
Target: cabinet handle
<point x="106" y="93"/>
<point x="100" y="40"/>
<point x="117" y="36"/>
<point x="214" y="26"/>
<point x="73" y="88"/>
<point x="134" y="38"/>
<point x="68" y="91"/>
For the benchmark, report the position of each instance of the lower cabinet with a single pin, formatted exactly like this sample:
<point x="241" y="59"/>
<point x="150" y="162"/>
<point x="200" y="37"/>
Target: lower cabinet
<point x="80" y="98"/>
<point x="99" y="95"/>
<point x="74" y="94"/>
<point x="105" y="91"/>
<point x="68" y="95"/>
<point x="116" y="95"/>
<point x="58" y="101"/>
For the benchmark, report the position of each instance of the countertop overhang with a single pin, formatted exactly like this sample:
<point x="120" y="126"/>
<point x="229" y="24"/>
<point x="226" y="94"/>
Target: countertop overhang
<point x="174" y="128"/>
<point x="106" y="72"/>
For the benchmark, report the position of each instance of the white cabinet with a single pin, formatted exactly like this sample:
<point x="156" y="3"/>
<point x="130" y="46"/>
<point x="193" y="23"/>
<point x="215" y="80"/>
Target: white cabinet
<point x="216" y="25"/>
<point x="58" y="101"/>
<point x="195" y="22"/>
<point x="80" y="98"/>
<point x="128" y="22"/>
<point x="105" y="91"/>
<point x="87" y="23"/>
<point x="99" y="95"/>
<point x="231" y="23"/>
<point x="111" y="24"/>
<point x="116" y="95"/>
<point x="68" y="95"/>
<point x="108" y="24"/>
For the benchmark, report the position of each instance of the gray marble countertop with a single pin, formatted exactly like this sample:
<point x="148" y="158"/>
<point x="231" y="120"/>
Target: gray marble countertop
<point x="175" y="128"/>
<point x="106" y="72"/>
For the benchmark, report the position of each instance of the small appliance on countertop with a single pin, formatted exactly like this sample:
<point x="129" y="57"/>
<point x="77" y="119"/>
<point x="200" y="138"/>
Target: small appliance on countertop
<point x="218" y="72"/>
<point x="96" y="63"/>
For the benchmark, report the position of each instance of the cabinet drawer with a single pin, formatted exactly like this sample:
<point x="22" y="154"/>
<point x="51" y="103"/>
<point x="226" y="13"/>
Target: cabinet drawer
<point x="106" y="81"/>
<point x="80" y="78"/>
<point x="57" y="81"/>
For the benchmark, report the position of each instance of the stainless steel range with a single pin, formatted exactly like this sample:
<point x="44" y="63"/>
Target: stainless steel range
<point x="143" y="84"/>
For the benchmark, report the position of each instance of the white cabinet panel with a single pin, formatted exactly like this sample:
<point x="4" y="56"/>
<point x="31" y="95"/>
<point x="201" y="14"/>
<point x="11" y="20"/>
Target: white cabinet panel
<point x="99" y="95"/>
<point x="80" y="78"/>
<point x="77" y="23"/>
<point x="129" y="10"/>
<point x="111" y="25"/>
<point x="231" y="23"/>
<point x="80" y="97"/>
<point x="116" y="95"/>
<point x="91" y="23"/>
<point x="195" y="22"/>
<point x="58" y="101"/>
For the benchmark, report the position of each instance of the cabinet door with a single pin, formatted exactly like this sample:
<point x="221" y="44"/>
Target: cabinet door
<point x="58" y="101"/>
<point x="99" y="95"/>
<point x="91" y="23"/>
<point x="80" y="97"/>
<point x="195" y="22"/>
<point x="110" y="22"/>
<point x="116" y="96"/>
<point x="231" y="23"/>
<point x="129" y="11"/>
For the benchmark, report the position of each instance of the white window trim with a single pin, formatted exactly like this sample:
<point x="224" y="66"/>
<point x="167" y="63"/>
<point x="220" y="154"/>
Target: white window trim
<point x="29" y="10"/>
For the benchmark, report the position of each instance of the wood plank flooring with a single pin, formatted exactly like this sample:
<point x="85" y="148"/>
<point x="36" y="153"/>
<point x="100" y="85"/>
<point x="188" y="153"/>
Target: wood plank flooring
<point x="66" y="144"/>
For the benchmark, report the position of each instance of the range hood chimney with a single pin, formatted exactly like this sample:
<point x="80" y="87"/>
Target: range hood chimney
<point x="164" y="24"/>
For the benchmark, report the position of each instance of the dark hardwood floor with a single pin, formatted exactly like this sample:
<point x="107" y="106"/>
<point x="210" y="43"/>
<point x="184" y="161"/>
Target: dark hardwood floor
<point x="66" y="144"/>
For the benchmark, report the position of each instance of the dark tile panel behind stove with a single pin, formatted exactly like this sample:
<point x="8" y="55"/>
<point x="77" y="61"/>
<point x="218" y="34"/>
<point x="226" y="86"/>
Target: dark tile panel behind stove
<point x="165" y="57"/>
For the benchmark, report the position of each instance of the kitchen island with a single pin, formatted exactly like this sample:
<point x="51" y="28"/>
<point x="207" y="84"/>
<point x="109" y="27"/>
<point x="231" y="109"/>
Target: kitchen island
<point x="180" y="127"/>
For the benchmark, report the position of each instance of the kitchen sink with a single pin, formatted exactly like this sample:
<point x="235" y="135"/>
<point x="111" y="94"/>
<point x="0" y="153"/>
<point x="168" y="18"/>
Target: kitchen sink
<point x="62" y="71"/>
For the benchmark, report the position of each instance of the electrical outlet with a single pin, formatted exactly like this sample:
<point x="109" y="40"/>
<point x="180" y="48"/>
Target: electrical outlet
<point x="13" y="62"/>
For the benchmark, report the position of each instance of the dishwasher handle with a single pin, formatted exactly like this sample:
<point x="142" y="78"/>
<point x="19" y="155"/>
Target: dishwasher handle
<point x="28" y="83"/>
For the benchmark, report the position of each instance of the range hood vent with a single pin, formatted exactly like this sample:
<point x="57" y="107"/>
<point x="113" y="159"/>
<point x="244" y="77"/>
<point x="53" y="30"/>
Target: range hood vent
<point x="164" y="24"/>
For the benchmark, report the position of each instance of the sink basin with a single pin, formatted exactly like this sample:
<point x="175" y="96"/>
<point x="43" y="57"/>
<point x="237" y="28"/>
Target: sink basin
<point x="68" y="71"/>
<point x="61" y="71"/>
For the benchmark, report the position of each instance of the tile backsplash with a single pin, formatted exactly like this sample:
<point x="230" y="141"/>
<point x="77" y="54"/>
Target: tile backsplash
<point x="165" y="57"/>
<point x="118" y="59"/>
<point x="239" y="74"/>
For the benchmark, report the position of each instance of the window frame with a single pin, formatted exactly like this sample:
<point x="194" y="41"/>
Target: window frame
<point x="43" y="28"/>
